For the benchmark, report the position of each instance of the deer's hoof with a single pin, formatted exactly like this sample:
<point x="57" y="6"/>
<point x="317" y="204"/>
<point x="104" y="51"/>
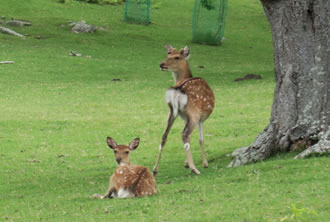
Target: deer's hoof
<point x="205" y="165"/>
<point x="97" y="196"/>
<point x="154" y="172"/>
<point x="195" y="171"/>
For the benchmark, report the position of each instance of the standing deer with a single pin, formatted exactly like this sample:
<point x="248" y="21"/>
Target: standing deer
<point x="128" y="180"/>
<point x="191" y="98"/>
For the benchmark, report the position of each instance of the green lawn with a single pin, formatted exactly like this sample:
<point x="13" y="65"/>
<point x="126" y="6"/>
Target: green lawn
<point x="56" y="111"/>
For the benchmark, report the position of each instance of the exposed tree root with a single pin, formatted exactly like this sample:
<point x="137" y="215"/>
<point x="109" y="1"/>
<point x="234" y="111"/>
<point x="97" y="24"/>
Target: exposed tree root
<point x="321" y="147"/>
<point x="259" y="150"/>
<point x="264" y="146"/>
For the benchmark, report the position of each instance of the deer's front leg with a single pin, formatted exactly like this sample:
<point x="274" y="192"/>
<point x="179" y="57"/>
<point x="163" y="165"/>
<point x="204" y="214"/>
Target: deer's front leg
<point x="170" y="122"/>
<point x="106" y="195"/>
<point x="112" y="189"/>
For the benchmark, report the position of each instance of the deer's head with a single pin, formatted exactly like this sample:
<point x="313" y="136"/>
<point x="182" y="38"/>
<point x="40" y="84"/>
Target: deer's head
<point x="122" y="151"/>
<point x="176" y="60"/>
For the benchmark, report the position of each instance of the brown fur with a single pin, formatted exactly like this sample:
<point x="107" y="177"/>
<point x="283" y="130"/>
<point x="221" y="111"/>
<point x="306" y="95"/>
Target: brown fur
<point x="200" y="99"/>
<point x="135" y="180"/>
<point x="199" y="105"/>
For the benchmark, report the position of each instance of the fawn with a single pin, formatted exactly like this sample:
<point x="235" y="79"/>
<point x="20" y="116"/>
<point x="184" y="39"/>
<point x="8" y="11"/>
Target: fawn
<point x="191" y="98"/>
<point x="128" y="180"/>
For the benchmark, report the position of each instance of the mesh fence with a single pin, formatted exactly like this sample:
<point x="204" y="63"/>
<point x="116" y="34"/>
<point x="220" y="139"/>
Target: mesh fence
<point x="137" y="11"/>
<point x="208" y="23"/>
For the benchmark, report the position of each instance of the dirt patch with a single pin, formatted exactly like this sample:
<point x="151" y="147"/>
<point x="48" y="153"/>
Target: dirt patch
<point x="248" y="77"/>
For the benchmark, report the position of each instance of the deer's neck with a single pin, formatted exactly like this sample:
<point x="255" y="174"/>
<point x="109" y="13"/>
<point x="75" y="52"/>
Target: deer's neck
<point x="182" y="74"/>
<point x="124" y="164"/>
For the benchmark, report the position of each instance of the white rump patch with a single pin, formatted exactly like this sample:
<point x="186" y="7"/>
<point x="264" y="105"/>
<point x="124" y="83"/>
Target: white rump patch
<point x="122" y="193"/>
<point x="176" y="99"/>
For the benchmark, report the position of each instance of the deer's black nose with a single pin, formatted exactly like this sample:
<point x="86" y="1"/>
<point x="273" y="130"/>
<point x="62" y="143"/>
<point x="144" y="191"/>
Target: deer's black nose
<point x="161" y="65"/>
<point x="118" y="159"/>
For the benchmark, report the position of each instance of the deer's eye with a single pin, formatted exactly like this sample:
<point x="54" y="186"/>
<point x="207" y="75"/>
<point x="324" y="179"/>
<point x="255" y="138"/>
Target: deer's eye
<point x="115" y="151"/>
<point x="127" y="152"/>
<point x="177" y="58"/>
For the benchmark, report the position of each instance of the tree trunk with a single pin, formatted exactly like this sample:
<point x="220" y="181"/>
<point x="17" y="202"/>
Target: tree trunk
<point x="300" y="118"/>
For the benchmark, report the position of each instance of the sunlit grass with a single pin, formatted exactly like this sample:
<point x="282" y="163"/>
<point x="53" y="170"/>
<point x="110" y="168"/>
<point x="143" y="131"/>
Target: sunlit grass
<point x="56" y="111"/>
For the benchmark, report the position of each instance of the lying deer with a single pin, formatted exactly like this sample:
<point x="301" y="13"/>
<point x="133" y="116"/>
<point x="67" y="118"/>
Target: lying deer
<point x="191" y="98"/>
<point x="128" y="180"/>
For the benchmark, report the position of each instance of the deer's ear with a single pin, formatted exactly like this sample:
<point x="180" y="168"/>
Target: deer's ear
<point x="111" y="143"/>
<point x="134" y="144"/>
<point x="169" y="48"/>
<point x="186" y="52"/>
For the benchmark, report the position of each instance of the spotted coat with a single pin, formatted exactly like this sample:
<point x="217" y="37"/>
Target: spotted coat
<point x="137" y="180"/>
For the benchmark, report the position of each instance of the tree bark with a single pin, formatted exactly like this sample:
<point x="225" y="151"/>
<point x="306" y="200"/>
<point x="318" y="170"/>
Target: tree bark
<point x="300" y="118"/>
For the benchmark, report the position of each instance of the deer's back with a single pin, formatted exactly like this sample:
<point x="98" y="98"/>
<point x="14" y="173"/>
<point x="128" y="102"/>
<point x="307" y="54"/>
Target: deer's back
<point x="135" y="179"/>
<point x="200" y="97"/>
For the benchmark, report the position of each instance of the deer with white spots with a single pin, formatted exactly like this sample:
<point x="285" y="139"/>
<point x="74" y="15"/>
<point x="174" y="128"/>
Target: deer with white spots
<point x="128" y="180"/>
<point x="191" y="98"/>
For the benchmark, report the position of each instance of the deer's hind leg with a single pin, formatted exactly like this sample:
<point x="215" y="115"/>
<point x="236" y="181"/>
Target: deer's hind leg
<point x="201" y="143"/>
<point x="187" y="131"/>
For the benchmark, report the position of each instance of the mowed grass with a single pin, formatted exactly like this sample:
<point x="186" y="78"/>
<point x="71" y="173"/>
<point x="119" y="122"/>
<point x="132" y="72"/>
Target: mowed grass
<point x="56" y="111"/>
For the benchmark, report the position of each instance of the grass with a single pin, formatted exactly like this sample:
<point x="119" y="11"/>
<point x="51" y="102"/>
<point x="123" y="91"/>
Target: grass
<point x="56" y="111"/>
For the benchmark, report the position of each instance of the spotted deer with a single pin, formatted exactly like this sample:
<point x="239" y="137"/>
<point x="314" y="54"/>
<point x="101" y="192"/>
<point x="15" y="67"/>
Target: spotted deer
<point x="191" y="98"/>
<point x="128" y="180"/>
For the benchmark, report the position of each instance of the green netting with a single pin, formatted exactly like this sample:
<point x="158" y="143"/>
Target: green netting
<point x="208" y="23"/>
<point x="137" y="11"/>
